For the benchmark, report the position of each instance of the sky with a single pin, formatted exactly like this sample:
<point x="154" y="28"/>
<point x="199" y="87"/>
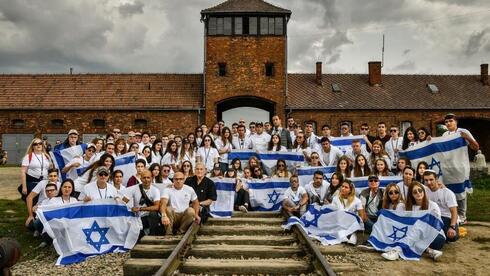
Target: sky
<point x="166" y="36"/>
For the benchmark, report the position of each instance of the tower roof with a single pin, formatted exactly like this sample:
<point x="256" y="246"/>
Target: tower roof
<point x="245" y="6"/>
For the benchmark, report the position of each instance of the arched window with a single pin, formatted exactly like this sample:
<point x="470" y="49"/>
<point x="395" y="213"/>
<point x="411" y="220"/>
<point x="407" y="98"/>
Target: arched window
<point x="140" y="123"/>
<point x="98" y="123"/>
<point x="18" y="123"/>
<point x="57" y="123"/>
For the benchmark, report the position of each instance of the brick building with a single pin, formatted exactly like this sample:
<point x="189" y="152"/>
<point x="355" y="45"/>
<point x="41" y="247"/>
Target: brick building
<point x="245" y="64"/>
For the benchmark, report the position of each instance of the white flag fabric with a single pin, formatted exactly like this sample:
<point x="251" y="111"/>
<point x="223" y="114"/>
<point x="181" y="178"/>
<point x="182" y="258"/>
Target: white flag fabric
<point x="362" y="183"/>
<point x="267" y="194"/>
<point x="448" y="157"/>
<point x="268" y="158"/>
<point x="345" y="143"/>
<point x="81" y="230"/>
<point x="305" y="174"/>
<point x="225" y="190"/>
<point x="126" y="163"/>
<point x="327" y="224"/>
<point x="410" y="231"/>
<point x="62" y="157"/>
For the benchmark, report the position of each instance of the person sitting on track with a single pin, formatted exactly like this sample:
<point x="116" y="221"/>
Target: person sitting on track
<point x="295" y="198"/>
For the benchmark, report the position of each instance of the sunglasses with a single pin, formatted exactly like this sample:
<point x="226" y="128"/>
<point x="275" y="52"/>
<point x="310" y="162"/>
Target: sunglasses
<point x="373" y="180"/>
<point x="395" y="192"/>
<point x="393" y="130"/>
<point x="281" y="165"/>
<point x="364" y="128"/>
<point x="165" y="170"/>
<point x="37" y="144"/>
<point x="417" y="191"/>
<point x="103" y="174"/>
<point x="91" y="150"/>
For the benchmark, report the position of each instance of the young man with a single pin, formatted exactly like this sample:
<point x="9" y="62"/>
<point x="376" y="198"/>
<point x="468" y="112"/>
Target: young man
<point x="310" y="137"/>
<point x="174" y="208"/>
<point x="283" y="133"/>
<point x="71" y="140"/>
<point x="140" y="167"/>
<point x="145" y="141"/>
<point x="329" y="155"/>
<point x="291" y="126"/>
<point x="99" y="189"/>
<point x="241" y="141"/>
<point x="317" y="188"/>
<point x="451" y="123"/>
<point x="204" y="188"/>
<point x="110" y="148"/>
<point x="260" y="140"/>
<point x="39" y="189"/>
<point x="267" y="127"/>
<point x="117" y="133"/>
<point x="146" y="203"/>
<point x="446" y="200"/>
<point x="356" y="150"/>
<point x="295" y="198"/>
<point x="372" y="201"/>
<point x="382" y="134"/>
<point x="326" y="132"/>
<point x="393" y="146"/>
<point x="251" y="128"/>
<point x="345" y="130"/>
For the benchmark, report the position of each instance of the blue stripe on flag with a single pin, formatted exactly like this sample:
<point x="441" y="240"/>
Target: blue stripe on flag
<point x="458" y="188"/>
<point x="434" y="147"/>
<point x="243" y="155"/>
<point x="326" y="210"/>
<point x="275" y="207"/>
<point x="125" y="160"/>
<point x="222" y="213"/>
<point x="407" y="252"/>
<point x="89" y="211"/>
<point x="60" y="162"/>
<point x="76" y="258"/>
<point x="267" y="185"/>
<point x="311" y="171"/>
<point x="225" y="186"/>
<point x="285" y="156"/>
<point x="430" y="219"/>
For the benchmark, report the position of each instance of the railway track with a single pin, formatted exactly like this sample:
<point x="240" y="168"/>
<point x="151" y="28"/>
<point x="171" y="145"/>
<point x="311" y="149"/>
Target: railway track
<point x="250" y="244"/>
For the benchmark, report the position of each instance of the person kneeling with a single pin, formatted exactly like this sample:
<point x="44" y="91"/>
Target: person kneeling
<point x="175" y="210"/>
<point x="295" y="198"/>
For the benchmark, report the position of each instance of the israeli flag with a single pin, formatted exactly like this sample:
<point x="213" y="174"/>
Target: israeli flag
<point x="305" y="174"/>
<point x="269" y="159"/>
<point x="267" y="194"/>
<point x="448" y="157"/>
<point x="345" y="143"/>
<point x="409" y="231"/>
<point x="225" y="190"/>
<point x="126" y="163"/>
<point x="82" y="230"/>
<point x="62" y="157"/>
<point x="327" y="224"/>
<point x="362" y="183"/>
<point x="243" y="155"/>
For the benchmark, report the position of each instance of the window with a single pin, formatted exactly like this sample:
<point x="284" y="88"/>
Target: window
<point x="403" y="126"/>
<point x="252" y="25"/>
<point x="279" y="27"/>
<point x="18" y="123"/>
<point x="227" y="26"/>
<point x="219" y="25"/>
<point x="264" y="25"/>
<point x="98" y="122"/>
<point x="432" y="88"/>
<point x="269" y="69"/>
<point x="222" y="69"/>
<point x="57" y="123"/>
<point x="336" y="87"/>
<point x="238" y="26"/>
<point x="140" y="123"/>
<point x="271" y="25"/>
<point x="212" y="26"/>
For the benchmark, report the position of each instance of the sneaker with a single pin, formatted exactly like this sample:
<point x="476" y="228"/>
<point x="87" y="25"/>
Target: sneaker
<point x="353" y="239"/>
<point x="35" y="234"/>
<point x="243" y="209"/>
<point x="391" y="255"/>
<point x="42" y="245"/>
<point x="434" y="254"/>
<point x="366" y="246"/>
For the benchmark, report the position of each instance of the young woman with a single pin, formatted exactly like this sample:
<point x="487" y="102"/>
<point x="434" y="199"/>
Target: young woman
<point x="408" y="177"/>
<point x="281" y="169"/>
<point x="418" y="200"/>
<point x="99" y="146"/>
<point x="334" y="188"/>
<point x="187" y="169"/>
<point x="410" y="138"/>
<point x="381" y="168"/>
<point x="117" y="182"/>
<point x="191" y="137"/>
<point x="253" y="161"/>
<point x="401" y="164"/>
<point x="343" y="166"/>
<point x="120" y="147"/>
<point x="146" y="154"/>
<point x="361" y="167"/>
<point x="421" y="167"/>
<point x="156" y="152"/>
<point x="315" y="160"/>
<point x="65" y="195"/>
<point x="236" y="164"/>
<point x="392" y="198"/>
<point x="247" y="173"/>
<point x="347" y="200"/>
<point x="216" y="172"/>
<point x="230" y="173"/>
<point x="35" y="165"/>
<point x="423" y="133"/>
<point x="275" y="144"/>
<point x="89" y="175"/>
<point x="300" y="145"/>
<point x="134" y="147"/>
<point x="377" y="153"/>
<point x="215" y="133"/>
<point x="257" y="173"/>
<point x="223" y="143"/>
<point x="198" y="135"/>
<point x="171" y="157"/>
<point x="109" y="138"/>
<point x="207" y="153"/>
<point x="156" y="173"/>
<point x="187" y="153"/>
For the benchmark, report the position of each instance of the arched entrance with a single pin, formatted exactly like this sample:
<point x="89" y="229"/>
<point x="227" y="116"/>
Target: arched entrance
<point x="252" y="109"/>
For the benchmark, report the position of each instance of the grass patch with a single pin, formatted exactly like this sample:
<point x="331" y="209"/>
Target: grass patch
<point x="13" y="215"/>
<point x="481" y="183"/>
<point x="479" y="205"/>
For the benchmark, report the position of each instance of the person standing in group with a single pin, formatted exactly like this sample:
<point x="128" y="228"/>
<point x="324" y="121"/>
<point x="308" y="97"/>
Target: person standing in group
<point x="71" y="140"/>
<point x="34" y="168"/>
<point x="372" y="201"/>
<point x="187" y="153"/>
<point x="204" y="188"/>
<point x="224" y="145"/>
<point x="241" y="141"/>
<point x="260" y="139"/>
<point x="345" y="130"/>
<point x="364" y="130"/>
<point x="156" y="152"/>
<point x="207" y="153"/>
<point x="410" y="138"/>
<point x="171" y="157"/>
<point x="283" y="133"/>
<point x="382" y="134"/>
<point x="275" y="144"/>
<point x="310" y="137"/>
<point x="120" y="147"/>
<point x="394" y="146"/>
<point x="140" y="168"/>
<point x="329" y="155"/>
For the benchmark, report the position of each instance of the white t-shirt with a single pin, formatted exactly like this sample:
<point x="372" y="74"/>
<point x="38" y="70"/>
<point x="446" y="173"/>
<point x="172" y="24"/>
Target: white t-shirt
<point x="92" y="190"/>
<point x="133" y="193"/>
<point x="312" y="141"/>
<point x="319" y="192"/>
<point x="40" y="189"/>
<point x="38" y="166"/>
<point x="445" y="199"/>
<point x="433" y="208"/>
<point x="156" y="158"/>
<point x="399" y="207"/>
<point x="207" y="156"/>
<point x="459" y="130"/>
<point x="221" y="146"/>
<point x="72" y="173"/>
<point x="295" y="196"/>
<point x="58" y="201"/>
<point x="162" y="186"/>
<point x="241" y="144"/>
<point x="260" y="141"/>
<point x="354" y="206"/>
<point x="82" y="180"/>
<point x="390" y="147"/>
<point x="179" y="199"/>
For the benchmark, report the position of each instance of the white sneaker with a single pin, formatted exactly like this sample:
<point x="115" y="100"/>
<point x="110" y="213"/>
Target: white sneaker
<point x="391" y="255"/>
<point x="35" y="234"/>
<point x="243" y="209"/>
<point x="42" y="245"/>
<point x="434" y="254"/>
<point x="353" y="239"/>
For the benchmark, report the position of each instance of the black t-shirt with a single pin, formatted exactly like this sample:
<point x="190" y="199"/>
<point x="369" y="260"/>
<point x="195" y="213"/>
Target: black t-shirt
<point x="384" y="139"/>
<point x="205" y="190"/>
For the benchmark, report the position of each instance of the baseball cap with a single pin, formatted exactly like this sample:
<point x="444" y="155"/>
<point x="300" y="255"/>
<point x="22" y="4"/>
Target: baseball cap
<point x="90" y="145"/>
<point x="373" y="176"/>
<point x="102" y="169"/>
<point x="73" y="131"/>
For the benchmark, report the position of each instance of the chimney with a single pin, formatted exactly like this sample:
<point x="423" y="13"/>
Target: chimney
<point x="71" y="70"/>
<point x="318" y="78"/>
<point x="484" y="74"/>
<point x="375" y="73"/>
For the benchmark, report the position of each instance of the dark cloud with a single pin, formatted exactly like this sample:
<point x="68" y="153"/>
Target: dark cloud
<point x="129" y="9"/>
<point x="406" y="52"/>
<point x="405" y="66"/>
<point x="476" y="42"/>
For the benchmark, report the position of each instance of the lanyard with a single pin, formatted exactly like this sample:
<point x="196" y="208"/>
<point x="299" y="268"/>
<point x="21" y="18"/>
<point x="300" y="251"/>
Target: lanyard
<point x="105" y="195"/>
<point x="40" y="162"/>
<point x="206" y="155"/>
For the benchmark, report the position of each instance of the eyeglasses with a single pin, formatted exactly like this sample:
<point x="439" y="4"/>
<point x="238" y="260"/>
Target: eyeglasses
<point x="103" y="174"/>
<point x="393" y="130"/>
<point x="417" y="191"/>
<point x="50" y="190"/>
<point x="395" y="192"/>
<point x="91" y="150"/>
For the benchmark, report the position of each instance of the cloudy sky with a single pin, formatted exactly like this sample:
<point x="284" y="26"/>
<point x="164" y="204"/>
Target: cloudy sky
<point x="422" y="36"/>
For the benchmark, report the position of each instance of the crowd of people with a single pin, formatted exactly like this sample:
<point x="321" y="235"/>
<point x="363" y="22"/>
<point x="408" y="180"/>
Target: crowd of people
<point x="173" y="186"/>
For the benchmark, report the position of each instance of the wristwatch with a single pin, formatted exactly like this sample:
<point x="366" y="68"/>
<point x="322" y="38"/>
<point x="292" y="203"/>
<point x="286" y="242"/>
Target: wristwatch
<point x="453" y="227"/>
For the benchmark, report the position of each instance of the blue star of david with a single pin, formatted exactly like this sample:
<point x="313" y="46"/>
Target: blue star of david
<point x="102" y="232"/>
<point x="435" y="163"/>
<point x="273" y="197"/>
<point x="314" y="221"/>
<point x="396" y="236"/>
<point x="325" y="176"/>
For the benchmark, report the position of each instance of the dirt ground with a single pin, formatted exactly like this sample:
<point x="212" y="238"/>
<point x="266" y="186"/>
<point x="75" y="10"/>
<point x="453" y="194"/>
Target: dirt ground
<point x="9" y="181"/>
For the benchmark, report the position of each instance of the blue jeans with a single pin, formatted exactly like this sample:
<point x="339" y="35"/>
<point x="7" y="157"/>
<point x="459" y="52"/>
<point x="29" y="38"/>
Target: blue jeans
<point x="368" y="224"/>
<point x="438" y="243"/>
<point x="447" y="223"/>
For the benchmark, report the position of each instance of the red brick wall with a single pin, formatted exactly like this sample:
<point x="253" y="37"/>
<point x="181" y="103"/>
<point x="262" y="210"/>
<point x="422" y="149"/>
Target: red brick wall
<point x="245" y="59"/>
